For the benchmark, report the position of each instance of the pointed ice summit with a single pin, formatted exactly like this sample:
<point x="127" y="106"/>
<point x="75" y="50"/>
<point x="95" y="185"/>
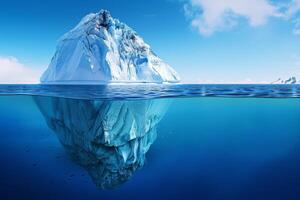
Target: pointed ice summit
<point x="100" y="50"/>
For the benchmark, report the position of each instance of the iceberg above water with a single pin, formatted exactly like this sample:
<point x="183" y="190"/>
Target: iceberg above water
<point x="107" y="138"/>
<point x="100" y="50"/>
<point x="290" y="80"/>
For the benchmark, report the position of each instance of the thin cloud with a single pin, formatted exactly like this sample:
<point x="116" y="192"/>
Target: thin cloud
<point x="210" y="16"/>
<point x="12" y="71"/>
<point x="292" y="8"/>
<point x="291" y="11"/>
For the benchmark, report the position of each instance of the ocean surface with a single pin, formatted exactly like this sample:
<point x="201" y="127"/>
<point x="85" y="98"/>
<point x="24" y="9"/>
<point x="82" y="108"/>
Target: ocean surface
<point x="209" y="142"/>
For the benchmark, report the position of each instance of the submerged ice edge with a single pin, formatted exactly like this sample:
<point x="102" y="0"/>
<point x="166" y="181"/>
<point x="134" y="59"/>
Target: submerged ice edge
<point x="109" y="139"/>
<point x="152" y="91"/>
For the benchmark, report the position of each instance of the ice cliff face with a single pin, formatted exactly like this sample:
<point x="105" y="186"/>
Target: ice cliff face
<point x="101" y="49"/>
<point x="108" y="138"/>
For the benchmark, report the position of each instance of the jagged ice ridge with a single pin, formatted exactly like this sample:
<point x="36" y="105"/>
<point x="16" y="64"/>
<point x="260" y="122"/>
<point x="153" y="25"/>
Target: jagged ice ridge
<point x="101" y="49"/>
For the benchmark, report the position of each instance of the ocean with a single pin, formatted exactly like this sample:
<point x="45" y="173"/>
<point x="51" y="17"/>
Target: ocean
<point x="234" y="142"/>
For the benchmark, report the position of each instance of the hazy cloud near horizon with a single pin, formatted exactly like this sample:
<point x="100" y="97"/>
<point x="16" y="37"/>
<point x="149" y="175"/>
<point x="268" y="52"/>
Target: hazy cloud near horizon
<point x="12" y="71"/>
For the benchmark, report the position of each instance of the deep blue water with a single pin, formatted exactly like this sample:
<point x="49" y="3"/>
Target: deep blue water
<point x="206" y="147"/>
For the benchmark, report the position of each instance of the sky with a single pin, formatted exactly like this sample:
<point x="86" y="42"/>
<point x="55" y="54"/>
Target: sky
<point x="205" y="41"/>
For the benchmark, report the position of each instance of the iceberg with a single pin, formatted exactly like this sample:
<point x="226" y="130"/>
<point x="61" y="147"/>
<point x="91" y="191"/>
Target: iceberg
<point x="100" y="50"/>
<point x="107" y="138"/>
<point x="291" y="80"/>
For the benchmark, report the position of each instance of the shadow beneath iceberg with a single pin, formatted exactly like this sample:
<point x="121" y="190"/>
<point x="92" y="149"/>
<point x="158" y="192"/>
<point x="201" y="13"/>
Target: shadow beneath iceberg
<point x="107" y="138"/>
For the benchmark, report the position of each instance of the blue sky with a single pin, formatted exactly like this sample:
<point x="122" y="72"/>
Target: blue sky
<point x="206" y="41"/>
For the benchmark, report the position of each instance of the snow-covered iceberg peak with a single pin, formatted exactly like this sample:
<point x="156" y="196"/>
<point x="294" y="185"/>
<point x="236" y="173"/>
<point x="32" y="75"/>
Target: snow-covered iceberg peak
<point x="101" y="49"/>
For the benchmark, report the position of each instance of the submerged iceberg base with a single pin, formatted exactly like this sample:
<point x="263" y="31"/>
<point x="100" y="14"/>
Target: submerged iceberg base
<point x="108" y="138"/>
